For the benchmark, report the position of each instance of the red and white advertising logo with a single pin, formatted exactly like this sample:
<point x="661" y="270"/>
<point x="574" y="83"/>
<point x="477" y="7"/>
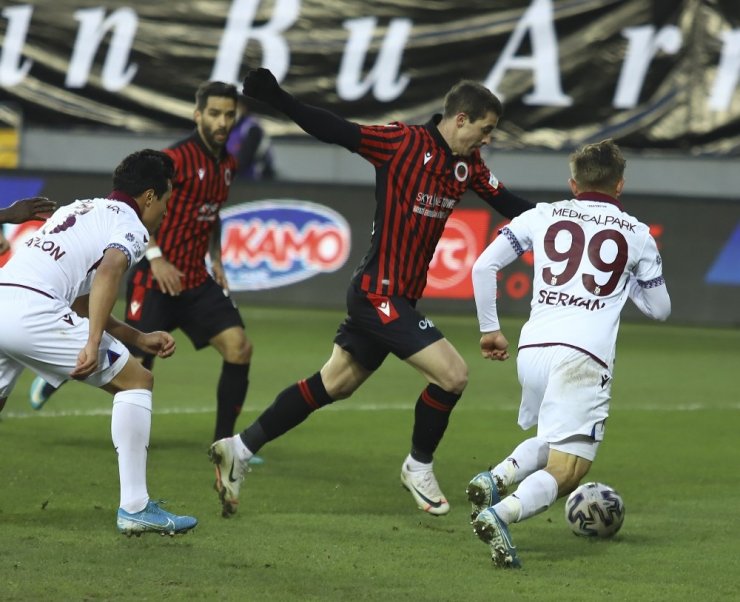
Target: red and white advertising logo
<point x="16" y="234"/>
<point x="463" y="240"/>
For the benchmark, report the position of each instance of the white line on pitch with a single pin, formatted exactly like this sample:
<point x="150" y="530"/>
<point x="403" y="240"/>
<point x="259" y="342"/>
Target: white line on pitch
<point x="367" y="407"/>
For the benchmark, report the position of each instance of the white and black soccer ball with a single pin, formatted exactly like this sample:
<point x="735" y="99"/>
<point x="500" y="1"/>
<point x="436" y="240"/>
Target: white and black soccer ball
<point x="594" y="510"/>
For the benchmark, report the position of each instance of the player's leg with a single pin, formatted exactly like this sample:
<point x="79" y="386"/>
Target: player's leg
<point x="233" y="383"/>
<point x="40" y="391"/>
<point x="354" y="358"/>
<point x="49" y="346"/>
<point x="446" y="374"/>
<point x="131" y="386"/>
<point x="488" y="487"/>
<point x="564" y="391"/>
<point x="338" y="378"/>
<point x="565" y="468"/>
<point x="208" y="317"/>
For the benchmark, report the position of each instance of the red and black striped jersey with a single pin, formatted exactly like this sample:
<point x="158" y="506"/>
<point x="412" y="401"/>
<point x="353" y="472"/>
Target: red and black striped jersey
<point x="200" y="187"/>
<point x="418" y="184"/>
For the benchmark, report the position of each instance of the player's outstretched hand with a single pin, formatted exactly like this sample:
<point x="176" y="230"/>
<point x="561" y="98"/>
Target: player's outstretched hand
<point x="494" y="346"/>
<point x="262" y="85"/>
<point x="37" y="207"/>
<point x="157" y="343"/>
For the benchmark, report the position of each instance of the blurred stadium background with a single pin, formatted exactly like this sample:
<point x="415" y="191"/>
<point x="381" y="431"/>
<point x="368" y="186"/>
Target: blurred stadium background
<point x="83" y="83"/>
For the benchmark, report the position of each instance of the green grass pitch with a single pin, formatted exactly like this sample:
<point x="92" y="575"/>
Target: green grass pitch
<point x="326" y="518"/>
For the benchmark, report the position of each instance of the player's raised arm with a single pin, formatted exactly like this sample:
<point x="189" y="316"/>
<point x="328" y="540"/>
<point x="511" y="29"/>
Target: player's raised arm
<point x="323" y="125"/>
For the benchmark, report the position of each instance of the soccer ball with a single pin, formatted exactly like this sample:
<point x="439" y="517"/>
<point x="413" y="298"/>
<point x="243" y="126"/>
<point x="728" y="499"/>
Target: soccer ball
<point x="594" y="510"/>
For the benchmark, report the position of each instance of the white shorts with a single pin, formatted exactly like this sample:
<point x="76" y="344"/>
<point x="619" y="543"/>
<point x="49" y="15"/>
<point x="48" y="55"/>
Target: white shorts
<point x="565" y="392"/>
<point x="46" y="336"/>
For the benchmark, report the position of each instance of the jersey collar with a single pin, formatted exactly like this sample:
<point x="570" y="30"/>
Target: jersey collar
<point x="122" y="197"/>
<point x="431" y="125"/>
<point x="199" y="141"/>
<point x="600" y="197"/>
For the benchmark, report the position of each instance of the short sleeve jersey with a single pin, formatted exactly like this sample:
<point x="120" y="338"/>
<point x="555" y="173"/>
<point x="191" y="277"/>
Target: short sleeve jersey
<point x="584" y="251"/>
<point x="200" y="187"/>
<point x="60" y="258"/>
<point x="418" y="184"/>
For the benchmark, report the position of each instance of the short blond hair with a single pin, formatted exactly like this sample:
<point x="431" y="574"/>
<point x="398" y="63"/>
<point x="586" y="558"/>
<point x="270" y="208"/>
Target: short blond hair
<point x="598" y="166"/>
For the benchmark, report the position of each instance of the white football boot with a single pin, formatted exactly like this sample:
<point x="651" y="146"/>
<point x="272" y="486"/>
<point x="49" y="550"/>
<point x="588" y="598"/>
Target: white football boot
<point x="425" y="490"/>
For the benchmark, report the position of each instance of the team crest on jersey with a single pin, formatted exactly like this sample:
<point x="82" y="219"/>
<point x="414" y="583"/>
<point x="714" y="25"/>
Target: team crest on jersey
<point x="461" y="171"/>
<point x="201" y="172"/>
<point x="129" y="237"/>
<point x="493" y="181"/>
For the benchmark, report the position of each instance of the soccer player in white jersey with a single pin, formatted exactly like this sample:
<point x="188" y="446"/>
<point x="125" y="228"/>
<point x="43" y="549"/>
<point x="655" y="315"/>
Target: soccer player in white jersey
<point x="589" y="256"/>
<point x="56" y="297"/>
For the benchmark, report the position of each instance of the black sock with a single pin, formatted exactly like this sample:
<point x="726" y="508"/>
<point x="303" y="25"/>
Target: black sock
<point x="291" y="407"/>
<point x="230" y="395"/>
<point x="431" y="416"/>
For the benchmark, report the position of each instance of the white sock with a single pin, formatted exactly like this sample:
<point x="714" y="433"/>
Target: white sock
<point x="130" y="427"/>
<point x="415" y="465"/>
<point x="535" y="494"/>
<point x="528" y="456"/>
<point x="509" y="509"/>
<point x="243" y="453"/>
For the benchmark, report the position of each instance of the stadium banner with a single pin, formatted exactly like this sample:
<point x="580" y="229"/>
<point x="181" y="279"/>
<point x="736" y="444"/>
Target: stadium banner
<point x="652" y="75"/>
<point x="297" y="244"/>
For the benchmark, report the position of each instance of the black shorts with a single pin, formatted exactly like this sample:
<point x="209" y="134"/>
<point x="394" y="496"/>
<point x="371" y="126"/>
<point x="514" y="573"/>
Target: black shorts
<point x="376" y="326"/>
<point x="201" y="312"/>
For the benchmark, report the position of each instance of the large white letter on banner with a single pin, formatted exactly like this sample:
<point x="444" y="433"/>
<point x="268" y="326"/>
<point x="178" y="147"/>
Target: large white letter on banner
<point x="643" y="45"/>
<point x="544" y="63"/>
<point x="728" y="72"/>
<point x="239" y="30"/>
<point x="12" y="71"/>
<point x="93" y="28"/>
<point x="383" y="77"/>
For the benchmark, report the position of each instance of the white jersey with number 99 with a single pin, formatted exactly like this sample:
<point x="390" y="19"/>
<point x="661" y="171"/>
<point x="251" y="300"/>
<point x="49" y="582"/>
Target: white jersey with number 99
<point x="584" y="253"/>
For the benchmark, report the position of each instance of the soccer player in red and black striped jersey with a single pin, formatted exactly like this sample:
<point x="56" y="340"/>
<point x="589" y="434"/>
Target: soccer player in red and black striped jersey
<point x="422" y="172"/>
<point x="171" y="287"/>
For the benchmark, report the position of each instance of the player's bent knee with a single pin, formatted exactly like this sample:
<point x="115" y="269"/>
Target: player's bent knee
<point x="340" y="390"/>
<point x="133" y="376"/>
<point x="456" y="379"/>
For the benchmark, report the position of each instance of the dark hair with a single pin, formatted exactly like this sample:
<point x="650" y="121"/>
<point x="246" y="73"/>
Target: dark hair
<point x="142" y="170"/>
<point x="473" y="98"/>
<point x="208" y="89"/>
<point x="598" y="166"/>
